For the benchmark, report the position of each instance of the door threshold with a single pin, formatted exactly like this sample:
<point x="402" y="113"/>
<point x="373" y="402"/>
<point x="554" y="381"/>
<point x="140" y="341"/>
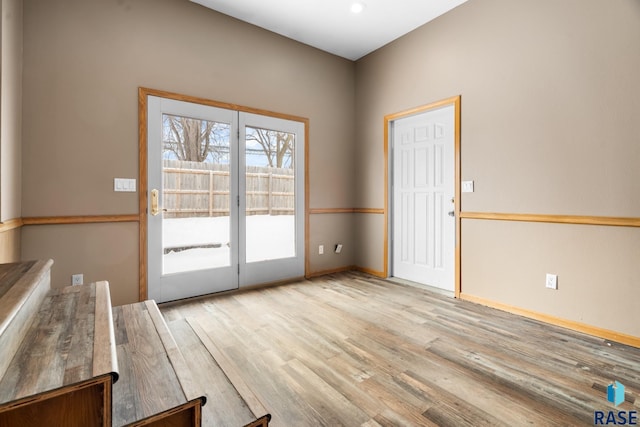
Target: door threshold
<point x="450" y="294"/>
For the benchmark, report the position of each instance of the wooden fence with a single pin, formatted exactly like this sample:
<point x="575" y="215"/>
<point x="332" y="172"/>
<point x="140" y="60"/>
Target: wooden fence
<point x="202" y="189"/>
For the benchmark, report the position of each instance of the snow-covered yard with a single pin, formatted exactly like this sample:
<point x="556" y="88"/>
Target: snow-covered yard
<point x="268" y="237"/>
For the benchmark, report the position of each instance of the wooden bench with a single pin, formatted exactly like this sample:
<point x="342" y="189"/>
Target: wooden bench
<point x="68" y="358"/>
<point x="156" y="387"/>
<point x="62" y="367"/>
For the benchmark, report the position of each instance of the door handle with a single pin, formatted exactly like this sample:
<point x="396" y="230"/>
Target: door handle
<point x="452" y="213"/>
<point x="155" y="210"/>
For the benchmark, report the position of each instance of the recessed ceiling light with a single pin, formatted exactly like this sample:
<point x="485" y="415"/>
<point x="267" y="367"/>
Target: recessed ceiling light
<point x="357" y="7"/>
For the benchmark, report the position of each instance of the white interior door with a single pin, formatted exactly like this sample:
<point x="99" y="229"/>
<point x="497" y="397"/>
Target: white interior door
<point x="226" y="199"/>
<point x="423" y="227"/>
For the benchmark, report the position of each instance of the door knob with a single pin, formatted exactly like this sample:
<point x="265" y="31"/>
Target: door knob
<point x="155" y="210"/>
<point x="452" y="213"/>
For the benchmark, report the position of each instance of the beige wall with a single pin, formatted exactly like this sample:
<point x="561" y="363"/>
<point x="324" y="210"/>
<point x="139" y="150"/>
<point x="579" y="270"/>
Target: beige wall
<point x="549" y="126"/>
<point x="10" y="108"/>
<point x="110" y="251"/>
<point x="597" y="270"/>
<point x="370" y="239"/>
<point x="337" y="229"/>
<point x="83" y="63"/>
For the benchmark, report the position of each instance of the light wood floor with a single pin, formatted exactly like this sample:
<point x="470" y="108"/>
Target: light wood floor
<point x="352" y="350"/>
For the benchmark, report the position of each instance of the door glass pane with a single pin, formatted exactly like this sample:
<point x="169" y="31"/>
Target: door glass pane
<point x="195" y="197"/>
<point x="270" y="194"/>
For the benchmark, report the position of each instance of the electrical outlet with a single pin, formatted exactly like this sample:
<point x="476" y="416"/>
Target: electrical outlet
<point x="338" y="248"/>
<point x="77" y="279"/>
<point x="320" y="249"/>
<point x="552" y="281"/>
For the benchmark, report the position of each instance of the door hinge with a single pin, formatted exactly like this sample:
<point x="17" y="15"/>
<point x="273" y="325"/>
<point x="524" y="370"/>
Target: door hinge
<point x="238" y="269"/>
<point x="238" y="200"/>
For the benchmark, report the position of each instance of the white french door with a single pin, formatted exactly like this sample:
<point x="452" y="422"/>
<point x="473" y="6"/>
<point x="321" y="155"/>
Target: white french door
<point x="272" y="231"/>
<point x="423" y="227"/>
<point x="226" y="199"/>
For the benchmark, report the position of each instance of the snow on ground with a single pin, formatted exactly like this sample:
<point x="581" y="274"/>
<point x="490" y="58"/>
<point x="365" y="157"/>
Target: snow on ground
<point x="268" y="237"/>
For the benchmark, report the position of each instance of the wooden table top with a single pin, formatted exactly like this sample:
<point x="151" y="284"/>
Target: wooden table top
<point x="58" y="350"/>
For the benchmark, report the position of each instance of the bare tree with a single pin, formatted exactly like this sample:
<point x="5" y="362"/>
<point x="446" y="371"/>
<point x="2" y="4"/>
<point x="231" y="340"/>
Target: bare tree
<point x="203" y="140"/>
<point x="277" y="146"/>
<point x="195" y="140"/>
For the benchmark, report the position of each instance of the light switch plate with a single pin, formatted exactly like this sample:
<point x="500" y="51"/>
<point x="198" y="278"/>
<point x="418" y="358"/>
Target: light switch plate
<point x="467" y="186"/>
<point x="124" y="184"/>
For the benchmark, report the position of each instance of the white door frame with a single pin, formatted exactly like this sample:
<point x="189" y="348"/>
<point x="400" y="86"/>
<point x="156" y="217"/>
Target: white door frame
<point x="388" y="120"/>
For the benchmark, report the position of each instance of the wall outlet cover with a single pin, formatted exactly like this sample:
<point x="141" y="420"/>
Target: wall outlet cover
<point x="77" y="279"/>
<point x="552" y="281"/>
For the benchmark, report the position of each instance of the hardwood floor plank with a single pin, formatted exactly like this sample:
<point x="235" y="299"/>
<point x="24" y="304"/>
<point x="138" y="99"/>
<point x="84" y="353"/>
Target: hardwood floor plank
<point x="403" y="403"/>
<point x="447" y="407"/>
<point x="371" y="423"/>
<point x="253" y="403"/>
<point x="277" y="391"/>
<point x="328" y="402"/>
<point x="225" y="407"/>
<point x="351" y="349"/>
<point x="552" y="391"/>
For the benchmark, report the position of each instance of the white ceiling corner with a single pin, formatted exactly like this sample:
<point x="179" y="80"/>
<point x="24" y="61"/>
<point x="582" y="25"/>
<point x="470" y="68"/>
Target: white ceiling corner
<point x="329" y="25"/>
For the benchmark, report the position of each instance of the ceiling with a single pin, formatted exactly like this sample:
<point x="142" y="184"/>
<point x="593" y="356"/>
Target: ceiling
<point x="330" y="25"/>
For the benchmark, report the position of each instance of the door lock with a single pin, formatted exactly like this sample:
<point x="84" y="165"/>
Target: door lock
<point x="155" y="210"/>
<point x="452" y="213"/>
